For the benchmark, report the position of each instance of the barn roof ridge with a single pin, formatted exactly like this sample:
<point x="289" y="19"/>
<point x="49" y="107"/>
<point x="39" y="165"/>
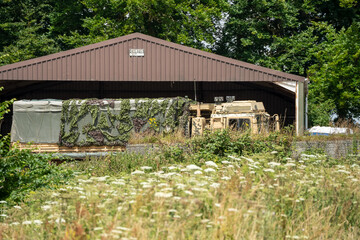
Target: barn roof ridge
<point x="154" y="40"/>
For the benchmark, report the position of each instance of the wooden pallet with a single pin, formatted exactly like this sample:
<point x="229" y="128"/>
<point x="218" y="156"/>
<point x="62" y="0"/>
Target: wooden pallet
<point x="53" y="147"/>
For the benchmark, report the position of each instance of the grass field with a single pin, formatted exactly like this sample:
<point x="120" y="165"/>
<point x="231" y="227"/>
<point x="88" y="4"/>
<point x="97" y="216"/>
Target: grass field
<point x="216" y="190"/>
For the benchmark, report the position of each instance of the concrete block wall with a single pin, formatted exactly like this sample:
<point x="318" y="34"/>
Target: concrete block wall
<point x="333" y="148"/>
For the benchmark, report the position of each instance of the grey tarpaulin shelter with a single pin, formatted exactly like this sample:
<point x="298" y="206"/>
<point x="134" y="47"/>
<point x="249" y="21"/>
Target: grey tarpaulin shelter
<point x="36" y="121"/>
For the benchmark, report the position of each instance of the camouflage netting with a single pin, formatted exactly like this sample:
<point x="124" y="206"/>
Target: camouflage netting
<point x="110" y="122"/>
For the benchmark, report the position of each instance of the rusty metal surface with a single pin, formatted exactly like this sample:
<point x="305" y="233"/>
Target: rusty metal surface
<point x="158" y="60"/>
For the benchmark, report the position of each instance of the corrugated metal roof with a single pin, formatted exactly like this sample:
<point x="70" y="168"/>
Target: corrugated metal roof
<point x="157" y="60"/>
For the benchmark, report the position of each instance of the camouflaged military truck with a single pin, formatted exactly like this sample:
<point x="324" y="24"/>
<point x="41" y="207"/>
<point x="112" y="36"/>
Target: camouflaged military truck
<point x="234" y="115"/>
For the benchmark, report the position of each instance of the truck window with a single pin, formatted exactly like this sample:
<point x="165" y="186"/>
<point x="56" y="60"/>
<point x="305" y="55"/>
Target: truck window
<point x="239" y="124"/>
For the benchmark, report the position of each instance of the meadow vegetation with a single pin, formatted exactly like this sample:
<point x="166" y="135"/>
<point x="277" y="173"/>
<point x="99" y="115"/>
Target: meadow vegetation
<point x="218" y="186"/>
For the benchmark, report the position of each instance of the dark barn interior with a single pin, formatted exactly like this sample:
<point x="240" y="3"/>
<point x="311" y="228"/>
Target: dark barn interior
<point x="275" y="98"/>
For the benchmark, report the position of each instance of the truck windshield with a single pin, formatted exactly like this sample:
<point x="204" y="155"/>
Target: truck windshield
<point x="239" y="124"/>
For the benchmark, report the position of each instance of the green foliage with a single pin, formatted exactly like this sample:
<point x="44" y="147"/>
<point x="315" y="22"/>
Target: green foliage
<point x="120" y="163"/>
<point x="29" y="44"/>
<point x="252" y="26"/>
<point x="22" y="171"/>
<point x="187" y="22"/>
<point x="219" y="144"/>
<point x="320" y="111"/>
<point x="4" y="106"/>
<point x="283" y="35"/>
<point x="336" y="76"/>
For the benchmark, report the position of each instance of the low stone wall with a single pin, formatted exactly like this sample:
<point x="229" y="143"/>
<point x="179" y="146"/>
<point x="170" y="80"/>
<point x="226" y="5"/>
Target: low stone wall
<point x="333" y="148"/>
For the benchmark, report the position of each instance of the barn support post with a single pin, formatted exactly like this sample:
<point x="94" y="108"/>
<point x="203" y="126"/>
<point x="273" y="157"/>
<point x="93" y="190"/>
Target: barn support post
<point x="300" y="108"/>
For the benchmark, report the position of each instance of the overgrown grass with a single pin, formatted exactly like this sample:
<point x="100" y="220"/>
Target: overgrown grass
<point x="158" y="138"/>
<point x="220" y="186"/>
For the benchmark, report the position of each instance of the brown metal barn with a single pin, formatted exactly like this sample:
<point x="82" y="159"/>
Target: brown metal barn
<point x="138" y="65"/>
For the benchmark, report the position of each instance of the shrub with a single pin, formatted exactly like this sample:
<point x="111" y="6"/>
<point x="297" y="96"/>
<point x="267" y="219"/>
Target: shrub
<point x="22" y="171"/>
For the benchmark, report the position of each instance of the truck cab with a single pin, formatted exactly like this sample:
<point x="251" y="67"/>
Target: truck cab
<point x="234" y="115"/>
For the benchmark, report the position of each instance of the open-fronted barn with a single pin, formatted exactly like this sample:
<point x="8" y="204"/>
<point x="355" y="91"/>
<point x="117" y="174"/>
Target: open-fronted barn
<point x="138" y="65"/>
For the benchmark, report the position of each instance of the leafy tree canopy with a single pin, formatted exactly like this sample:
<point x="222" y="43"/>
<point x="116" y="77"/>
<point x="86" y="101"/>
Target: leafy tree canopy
<point x="336" y="73"/>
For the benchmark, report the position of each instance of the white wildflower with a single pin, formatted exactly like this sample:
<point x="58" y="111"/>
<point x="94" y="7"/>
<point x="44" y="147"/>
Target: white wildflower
<point x="193" y="167"/>
<point x="274" y="152"/>
<point x="343" y="171"/>
<point x="172" y="211"/>
<point x="98" y="228"/>
<point x="123" y="228"/>
<point x="189" y="192"/>
<point x="199" y="189"/>
<point x="116" y="231"/>
<point x="146" y="168"/>
<point x="147" y="186"/>
<point x="180" y="186"/>
<point x="3" y="215"/>
<point x="225" y="162"/>
<point x="163" y="194"/>
<point x="101" y="179"/>
<point x="14" y="223"/>
<point x="2" y="201"/>
<point x="38" y="222"/>
<point x="27" y="222"/>
<point x="234" y="158"/>
<point x="205" y="221"/>
<point x="45" y="207"/>
<point x="163" y="185"/>
<point x="248" y="159"/>
<point x="60" y="220"/>
<point x="118" y="183"/>
<point x="290" y="165"/>
<point x="211" y="164"/>
<point x="137" y="172"/>
<point x="85" y="181"/>
<point x="198" y="172"/>
<point x="308" y="156"/>
<point x="269" y="170"/>
<point x="215" y="185"/>
<point x="172" y="168"/>
<point x="273" y="164"/>
<point x="208" y="170"/>
<point x="17" y="207"/>
<point x="232" y="210"/>
<point x="225" y="178"/>
<point x="217" y="205"/>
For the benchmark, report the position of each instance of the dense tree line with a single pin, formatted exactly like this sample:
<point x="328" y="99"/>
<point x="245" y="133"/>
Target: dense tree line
<point x="318" y="39"/>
